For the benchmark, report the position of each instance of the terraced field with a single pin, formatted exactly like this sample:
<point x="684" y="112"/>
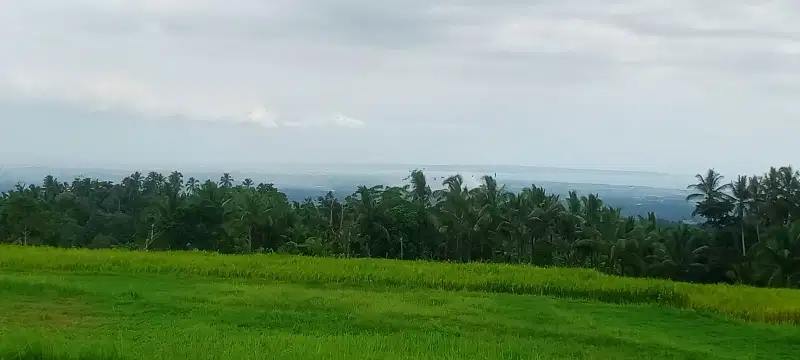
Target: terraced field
<point x="81" y="304"/>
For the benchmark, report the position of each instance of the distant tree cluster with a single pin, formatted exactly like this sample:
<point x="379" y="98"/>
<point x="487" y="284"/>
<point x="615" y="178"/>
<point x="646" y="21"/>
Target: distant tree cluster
<point x="751" y="232"/>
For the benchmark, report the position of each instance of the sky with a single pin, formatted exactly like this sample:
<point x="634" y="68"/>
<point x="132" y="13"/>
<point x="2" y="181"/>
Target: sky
<point x="675" y="86"/>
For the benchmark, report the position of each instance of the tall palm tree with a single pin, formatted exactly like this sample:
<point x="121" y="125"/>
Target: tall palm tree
<point x="226" y="181"/>
<point x="153" y="183"/>
<point x="779" y="256"/>
<point x="454" y="207"/>
<point x="743" y="201"/>
<point x="192" y="185"/>
<point x="365" y="205"/>
<point x="423" y="199"/>
<point x="420" y="191"/>
<point x="514" y="223"/>
<point x="487" y="199"/>
<point x="711" y="200"/>
<point x="708" y="187"/>
<point x="678" y="255"/>
<point x="756" y="216"/>
<point x="545" y="212"/>
<point x="249" y="210"/>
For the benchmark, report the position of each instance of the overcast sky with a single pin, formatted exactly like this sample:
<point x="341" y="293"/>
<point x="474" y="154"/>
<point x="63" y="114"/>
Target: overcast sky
<point x="669" y="85"/>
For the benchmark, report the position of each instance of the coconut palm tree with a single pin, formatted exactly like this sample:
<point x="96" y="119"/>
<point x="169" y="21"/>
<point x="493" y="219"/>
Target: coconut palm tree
<point x="226" y="181"/>
<point x="454" y="210"/>
<point x="249" y="210"/>
<point x="708" y="186"/>
<point x="712" y="202"/>
<point x="678" y="255"/>
<point x="779" y="256"/>
<point x="743" y="200"/>
<point x="487" y="200"/>
<point x="191" y="186"/>
<point x="368" y="215"/>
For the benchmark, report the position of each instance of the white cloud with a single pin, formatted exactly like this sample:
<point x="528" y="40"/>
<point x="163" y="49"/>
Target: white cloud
<point x="295" y="124"/>
<point x="348" y="122"/>
<point x="540" y="34"/>
<point x="318" y="121"/>
<point x="123" y="92"/>
<point x="261" y="116"/>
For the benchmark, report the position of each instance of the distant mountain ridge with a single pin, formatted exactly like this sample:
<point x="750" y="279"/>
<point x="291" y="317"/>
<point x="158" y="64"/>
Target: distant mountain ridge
<point x="301" y="181"/>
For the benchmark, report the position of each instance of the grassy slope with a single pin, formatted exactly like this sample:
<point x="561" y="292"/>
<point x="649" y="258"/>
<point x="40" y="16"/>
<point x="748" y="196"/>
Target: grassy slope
<point x="46" y="309"/>
<point x="766" y="305"/>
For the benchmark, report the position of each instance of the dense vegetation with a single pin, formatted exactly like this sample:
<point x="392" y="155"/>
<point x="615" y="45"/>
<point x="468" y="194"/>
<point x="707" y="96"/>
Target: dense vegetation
<point x="751" y="232"/>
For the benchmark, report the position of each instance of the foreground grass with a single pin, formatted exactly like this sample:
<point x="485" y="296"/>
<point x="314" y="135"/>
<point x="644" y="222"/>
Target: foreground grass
<point x="764" y="305"/>
<point x="60" y="316"/>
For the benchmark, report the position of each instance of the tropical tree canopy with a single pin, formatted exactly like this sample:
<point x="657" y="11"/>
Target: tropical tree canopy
<point x="750" y="231"/>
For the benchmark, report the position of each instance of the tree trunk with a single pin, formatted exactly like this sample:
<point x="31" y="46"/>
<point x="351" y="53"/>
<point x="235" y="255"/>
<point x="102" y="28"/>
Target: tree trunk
<point x="458" y="249"/>
<point x="480" y="246"/>
<point x="469" y="246"/>
<point x="744" y="250"/>
<point x="250" y="239"/>
<point x="533" y="244"/>
<point x="758" y="232"/>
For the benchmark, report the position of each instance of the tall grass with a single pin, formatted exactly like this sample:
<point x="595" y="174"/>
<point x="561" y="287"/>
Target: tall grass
<point x="765" y="305"/>
<point x="40" y="351"/>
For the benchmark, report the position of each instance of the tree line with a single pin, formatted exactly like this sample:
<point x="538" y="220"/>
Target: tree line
<point x="750" y="233"/>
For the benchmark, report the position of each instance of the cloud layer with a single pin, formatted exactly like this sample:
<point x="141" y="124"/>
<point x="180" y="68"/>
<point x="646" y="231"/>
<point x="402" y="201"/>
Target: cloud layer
<point x="598" y="72"/>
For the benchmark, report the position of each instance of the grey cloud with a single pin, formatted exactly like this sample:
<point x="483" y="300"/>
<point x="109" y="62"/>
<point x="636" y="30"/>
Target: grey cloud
<point x="379" y="24"/>
<point x="374" y="23"/>
<point x="426" y="28"/>
<point x="435" y="32"/>
<point x="496" y="72"/>
<point x="667" y="30"/>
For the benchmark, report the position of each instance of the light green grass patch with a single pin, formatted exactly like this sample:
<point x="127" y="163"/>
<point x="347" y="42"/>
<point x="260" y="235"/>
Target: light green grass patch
<point x="149" y="316"/>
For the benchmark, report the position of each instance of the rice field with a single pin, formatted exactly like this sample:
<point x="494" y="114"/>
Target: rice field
<point x="764" y="305"/>
<point x="63" y="304"/>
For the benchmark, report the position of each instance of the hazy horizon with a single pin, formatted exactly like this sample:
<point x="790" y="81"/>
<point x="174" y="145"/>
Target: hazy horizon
<point x="278" y="166"/>
<point x="300" y="175"/>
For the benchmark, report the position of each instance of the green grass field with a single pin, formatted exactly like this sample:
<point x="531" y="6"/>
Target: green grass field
<point x="78" y="304"/>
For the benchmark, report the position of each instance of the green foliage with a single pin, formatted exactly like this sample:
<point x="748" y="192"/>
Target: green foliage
<point x="748" y="236"/>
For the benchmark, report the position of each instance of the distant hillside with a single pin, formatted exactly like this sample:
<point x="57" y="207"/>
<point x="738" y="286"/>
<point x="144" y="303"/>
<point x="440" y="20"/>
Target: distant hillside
<point x="674" y="208"/>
